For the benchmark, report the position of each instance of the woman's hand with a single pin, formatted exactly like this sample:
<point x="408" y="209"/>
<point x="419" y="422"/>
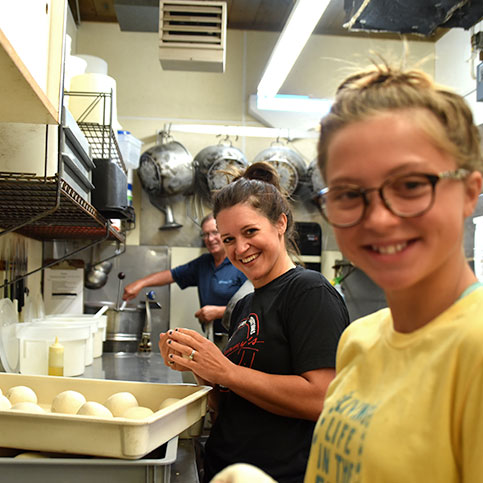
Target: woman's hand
<point x="165" y="350"/>
<point x="188" y="349"/>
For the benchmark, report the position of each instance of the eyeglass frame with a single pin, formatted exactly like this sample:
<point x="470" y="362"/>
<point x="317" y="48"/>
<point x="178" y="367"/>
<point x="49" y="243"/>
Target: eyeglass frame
<point x="206" y="235"/>
<point x="458" y="175"/>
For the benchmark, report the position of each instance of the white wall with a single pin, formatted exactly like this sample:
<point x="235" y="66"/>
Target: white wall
<point x="455" y="66"/>
<point x="148" y="97"/>
<point x="184" y="303"/>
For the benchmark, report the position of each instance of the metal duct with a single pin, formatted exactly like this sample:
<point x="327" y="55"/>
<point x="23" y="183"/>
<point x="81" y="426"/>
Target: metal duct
<point x="411" y="16"/>
<point x="137" y="15"/>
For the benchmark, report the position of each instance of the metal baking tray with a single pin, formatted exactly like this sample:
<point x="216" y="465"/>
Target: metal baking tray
<point x="114" y="437"/>
<point x="155" y="467"/>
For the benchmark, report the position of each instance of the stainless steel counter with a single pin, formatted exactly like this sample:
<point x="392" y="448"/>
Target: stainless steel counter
<point x="132" y="367"/>
<point x="151" y="368"/>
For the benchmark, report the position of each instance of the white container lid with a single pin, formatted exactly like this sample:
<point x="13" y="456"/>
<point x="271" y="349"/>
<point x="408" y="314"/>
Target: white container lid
<point x="9" y="349"/>
<point x="49" y="330"/>
<point x="59" y="319"/>
<point x="100" y="321"/>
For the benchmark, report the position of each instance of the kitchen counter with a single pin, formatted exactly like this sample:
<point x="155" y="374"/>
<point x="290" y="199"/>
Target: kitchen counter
<point x="132" y="367"/>
<point x="150" y="368"/>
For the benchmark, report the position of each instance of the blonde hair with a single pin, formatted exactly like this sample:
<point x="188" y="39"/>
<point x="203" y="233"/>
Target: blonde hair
<point x="442" y="114"/>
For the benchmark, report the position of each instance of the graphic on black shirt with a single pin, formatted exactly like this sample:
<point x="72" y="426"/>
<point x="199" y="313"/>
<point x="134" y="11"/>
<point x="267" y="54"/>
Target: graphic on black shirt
<point x="244" y="344"/>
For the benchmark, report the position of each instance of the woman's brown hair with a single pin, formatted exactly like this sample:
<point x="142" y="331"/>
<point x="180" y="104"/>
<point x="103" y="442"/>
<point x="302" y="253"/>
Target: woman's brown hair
<point x="259" y="187"/>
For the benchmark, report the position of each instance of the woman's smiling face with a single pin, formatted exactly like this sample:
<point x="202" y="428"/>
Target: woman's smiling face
<point x="395" y="252"/>
<point x="252" y="243"/>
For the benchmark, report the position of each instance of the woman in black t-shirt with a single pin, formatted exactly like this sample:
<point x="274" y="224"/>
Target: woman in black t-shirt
<point x="270" y="383"/>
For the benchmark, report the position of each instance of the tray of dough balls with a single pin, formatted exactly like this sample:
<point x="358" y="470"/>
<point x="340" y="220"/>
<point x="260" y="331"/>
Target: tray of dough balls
<point x="114" y="419"/>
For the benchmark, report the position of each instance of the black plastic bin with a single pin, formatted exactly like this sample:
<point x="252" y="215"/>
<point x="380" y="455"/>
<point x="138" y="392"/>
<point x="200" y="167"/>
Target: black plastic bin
<point x="109" y="196"/>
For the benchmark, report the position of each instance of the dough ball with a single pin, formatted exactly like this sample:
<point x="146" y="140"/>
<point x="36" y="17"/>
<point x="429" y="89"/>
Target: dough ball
<point x="120" y="402"/>
<point x="68" y="402"/>
<point x="167" y="402"/>
<point x="92" y="408"/>
<point x="28" y="407"/>
<point x="137" y="412"/>
<point x="241" y="472"/>
<point x="4" y="403"/>
<point x="18" y="394"/>
<point x="30" y="455"/>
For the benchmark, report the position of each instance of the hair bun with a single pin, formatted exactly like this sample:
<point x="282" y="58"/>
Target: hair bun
<point x="263" y="171"/>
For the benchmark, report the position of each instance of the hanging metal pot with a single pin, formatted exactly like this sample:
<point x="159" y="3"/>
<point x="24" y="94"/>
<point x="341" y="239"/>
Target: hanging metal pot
<point x="166" y="169"/>
<point x="216" y="166"/>
<point x="289" y="164"/>
<point x="316" y="178"/>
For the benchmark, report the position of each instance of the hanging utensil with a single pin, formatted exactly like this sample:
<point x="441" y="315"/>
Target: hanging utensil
<point x="5" y="257"/>
<point x="96" y="275"/>
<point x="120" y="276"/>
<point x="13" y="269"/>
<point x="21" y="271"/>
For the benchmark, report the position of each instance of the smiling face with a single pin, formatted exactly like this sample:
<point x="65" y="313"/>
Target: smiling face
<point x="212" y="239"/>
<point x="399" y="253"/>
<point x="253" y="244"/>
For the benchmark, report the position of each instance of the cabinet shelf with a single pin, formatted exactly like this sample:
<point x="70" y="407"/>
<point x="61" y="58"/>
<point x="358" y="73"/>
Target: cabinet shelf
<point x="24" y="197"/>
<point x="26" y="101"/>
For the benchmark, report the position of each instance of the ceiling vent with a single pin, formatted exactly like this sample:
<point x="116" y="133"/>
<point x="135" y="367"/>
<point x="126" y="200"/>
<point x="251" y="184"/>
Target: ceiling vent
<point x="192" y="35"/>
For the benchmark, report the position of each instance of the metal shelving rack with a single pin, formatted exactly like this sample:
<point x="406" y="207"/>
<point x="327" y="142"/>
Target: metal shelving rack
<point x="48" y="208"/>
<point x="42" y="207"/>
<point x="101" y="135"/>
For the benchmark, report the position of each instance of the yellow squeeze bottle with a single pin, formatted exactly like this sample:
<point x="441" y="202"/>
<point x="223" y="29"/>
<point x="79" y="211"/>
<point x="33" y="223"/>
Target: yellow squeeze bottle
<point x="56" y="359"/>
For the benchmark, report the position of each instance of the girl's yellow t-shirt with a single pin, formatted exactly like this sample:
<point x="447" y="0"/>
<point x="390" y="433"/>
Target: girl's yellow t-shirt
<point x="405" y="408"/>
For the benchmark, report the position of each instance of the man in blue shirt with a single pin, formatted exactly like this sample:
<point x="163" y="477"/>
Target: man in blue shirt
<point x="216" y="278"/>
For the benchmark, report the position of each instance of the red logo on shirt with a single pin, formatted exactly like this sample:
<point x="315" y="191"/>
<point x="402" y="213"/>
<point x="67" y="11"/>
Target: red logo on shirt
<point x="243" y="344"/>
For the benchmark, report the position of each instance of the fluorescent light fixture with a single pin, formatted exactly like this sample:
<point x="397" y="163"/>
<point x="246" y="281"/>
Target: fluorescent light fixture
<point x="294" y="104"/>
<point x="300" y="25"/>
<point x="248" y="131"/>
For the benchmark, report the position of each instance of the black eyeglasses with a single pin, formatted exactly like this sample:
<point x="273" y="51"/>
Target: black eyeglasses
<point x="406" y="196"/>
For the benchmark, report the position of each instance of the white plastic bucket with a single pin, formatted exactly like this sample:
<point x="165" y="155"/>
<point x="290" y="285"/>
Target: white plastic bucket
<point x="95" y="65"/>
<point x="82" y="106"/>
<point x="100" y="333"/>
<point x="77" y="321"/>
<point x="35" y="338"/>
